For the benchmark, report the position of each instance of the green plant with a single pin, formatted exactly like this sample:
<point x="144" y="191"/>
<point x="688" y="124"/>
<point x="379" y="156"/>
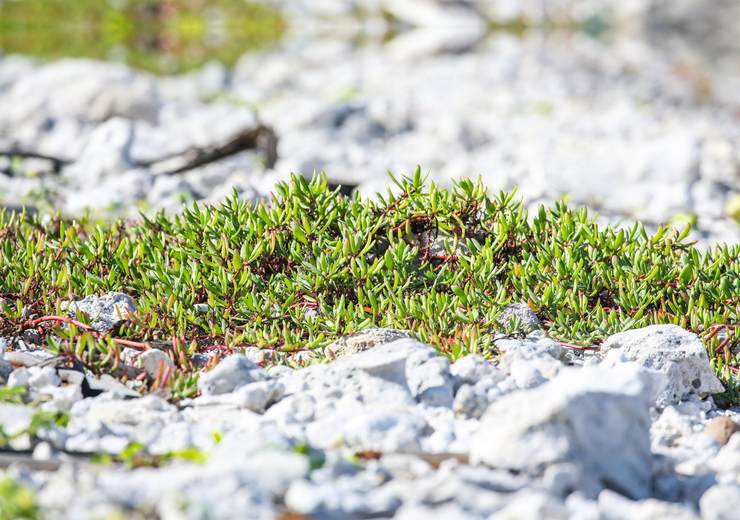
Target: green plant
<point x="135" y="456"/>
<point x="258" y="268"/>
<point x="40" y="420"/>
<point x="12" y="394"/>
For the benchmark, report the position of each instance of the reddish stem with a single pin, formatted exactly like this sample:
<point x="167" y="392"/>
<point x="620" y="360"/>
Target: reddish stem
<point x="578" y="347"/>
<point x="62" y="319"/>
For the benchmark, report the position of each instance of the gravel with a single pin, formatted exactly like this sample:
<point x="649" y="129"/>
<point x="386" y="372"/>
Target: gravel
<point x="637" y="126"/>
<point x="397" y="431"/>
<point x="388" y="427"/>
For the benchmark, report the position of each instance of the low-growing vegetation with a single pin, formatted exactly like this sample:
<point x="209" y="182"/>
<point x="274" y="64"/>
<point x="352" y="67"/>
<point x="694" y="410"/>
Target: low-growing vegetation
<point x="310" y="265"/>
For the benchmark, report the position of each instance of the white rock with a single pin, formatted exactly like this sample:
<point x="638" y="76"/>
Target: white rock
<point x="363" y="340"/>
<point x="105" y="154"/>
<point x="378" y="430"/>
<point x="595" y="418"/>
<point x="19" y="377"/>
<point x="104" y="311"/>
<point x="92" y="90"/>
<point x="154" y="361"/>
<point x="257" y="396"/>
<point x="445" y="511"/>
<point x="720" y="502"/>
<point x="727" y="461"/>
<point x="429" y="379"/>
<point x="231" y="373"/>
<point x="347" y="497"/>
<point x="532" y="348"/>
<point x="297" y="408"/>
<point x="560" y="480"/>
<point x="674" y="352"/>
<point x="532" y="504"/>
<point x="526" y="375"/>
<point x="615" y="507"/>
<point x="581" y="508"/>
<point x="472" y="368"/>
<point x="15" y="418"/>
<point x="528" y="320"/>
<point x="470" y="402"/>
<point x="5" y="370"/>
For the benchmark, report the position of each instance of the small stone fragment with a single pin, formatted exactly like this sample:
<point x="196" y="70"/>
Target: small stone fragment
<point x="429" y="379"/>
<point x="39" y="377"/>
<point x="363" y="340"/>
<point x="580" y="417"/>
<point x="721" y="429"/>
<point x="105" y="312"/>
<point x="472" y="369"/>
<point x="528" y="320"/>
<point x="469" y="402"/>
<point x="720" y="502"/>
<point x="672" y="351"/>
<point x="155" y="362"/>
<point x="233" y="372"/>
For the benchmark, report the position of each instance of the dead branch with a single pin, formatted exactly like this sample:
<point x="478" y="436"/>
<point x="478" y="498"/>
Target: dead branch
<point x="261" y="138"/>
<point x="57" y="163"/>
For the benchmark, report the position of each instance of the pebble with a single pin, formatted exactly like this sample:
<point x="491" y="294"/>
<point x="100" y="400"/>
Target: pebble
<point x="105" y="312"/>
<point x="721" y="429"/>
<point x="521" y="313"/>
<point x="231" y="373"/>
<point x="363" y="340"/>
<point x="155" y="362"/>
<point x="720" y="502"/>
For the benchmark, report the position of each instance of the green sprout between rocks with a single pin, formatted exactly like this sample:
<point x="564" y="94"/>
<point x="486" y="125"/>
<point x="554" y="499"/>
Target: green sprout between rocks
<point x="135" y="456"/>
<point x="311" y="265"/>
<point x="17" y="501"/>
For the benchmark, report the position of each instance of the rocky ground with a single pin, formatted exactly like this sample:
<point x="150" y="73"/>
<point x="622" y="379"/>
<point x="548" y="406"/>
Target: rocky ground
<point x="387" y="429"/>
<point x="641" y="123"/>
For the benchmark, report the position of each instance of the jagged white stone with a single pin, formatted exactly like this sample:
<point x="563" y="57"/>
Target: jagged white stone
<point x="595" y="418"/>
<point x="679" y="355"/>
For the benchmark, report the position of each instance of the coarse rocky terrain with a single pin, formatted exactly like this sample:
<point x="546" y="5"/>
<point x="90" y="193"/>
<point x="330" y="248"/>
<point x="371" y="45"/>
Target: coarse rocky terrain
<point x="629" y="109"/>
<point x="391" y="429"/>
<point x="428" y="354"/>
<point x="351" y="345"/>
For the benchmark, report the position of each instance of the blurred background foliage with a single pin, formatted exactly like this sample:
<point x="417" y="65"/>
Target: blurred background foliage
<point x="160" y="36"/>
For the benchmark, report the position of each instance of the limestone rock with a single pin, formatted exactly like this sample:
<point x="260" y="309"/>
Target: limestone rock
<point x="721" y="429"/>
<point x="595" y="418"/>
<point x="363" y="340"/>
<point x="151" y="360"/>
<point x="231" y="373"/>
<point x="528" y="320"/>
<point x="672" y="351"/>
<point x="721" y="502"/>
<point x="106" y="311"/>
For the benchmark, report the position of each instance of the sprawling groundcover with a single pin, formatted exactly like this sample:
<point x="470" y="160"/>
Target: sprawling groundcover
<point x="311" y="265"/>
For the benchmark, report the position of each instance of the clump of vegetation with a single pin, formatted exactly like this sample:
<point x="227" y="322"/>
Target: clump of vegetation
<point x="17" y="501"/>
<point x="311" y="265"/>
<point x="156" y="35"/>
<point x="135" y="456"/>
